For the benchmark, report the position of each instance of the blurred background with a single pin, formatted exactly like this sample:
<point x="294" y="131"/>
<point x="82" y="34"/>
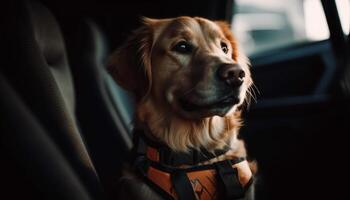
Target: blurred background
<point x="66" y="126"/>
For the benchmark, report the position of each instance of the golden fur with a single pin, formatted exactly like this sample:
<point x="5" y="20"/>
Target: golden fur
<point x="147" y="67"/>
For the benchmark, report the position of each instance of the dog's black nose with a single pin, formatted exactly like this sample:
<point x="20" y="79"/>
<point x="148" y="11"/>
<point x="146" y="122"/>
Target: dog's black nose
<point x="232" y="74"/>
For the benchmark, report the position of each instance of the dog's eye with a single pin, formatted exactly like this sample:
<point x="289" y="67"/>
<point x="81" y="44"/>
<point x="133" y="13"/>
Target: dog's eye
<point x="224" y="47"/>
<point x="183" y="47"/>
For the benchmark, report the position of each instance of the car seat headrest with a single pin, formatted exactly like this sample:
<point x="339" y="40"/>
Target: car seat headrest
<point x="49" y="38"/>
<point x="48" y="34"/>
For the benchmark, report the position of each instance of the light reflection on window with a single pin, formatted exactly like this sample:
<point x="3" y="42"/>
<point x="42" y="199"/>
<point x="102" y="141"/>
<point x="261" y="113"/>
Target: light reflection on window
<point x="343" y="7"/>
<point x="269" y="24"/>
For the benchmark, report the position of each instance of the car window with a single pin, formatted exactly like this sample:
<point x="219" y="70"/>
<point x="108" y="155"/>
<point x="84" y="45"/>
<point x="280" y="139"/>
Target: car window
<point x="270" y="24"/>
<point x="343" y="7"/>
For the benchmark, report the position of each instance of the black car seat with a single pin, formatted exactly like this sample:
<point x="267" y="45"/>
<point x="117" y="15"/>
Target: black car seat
<point x="104" y="110"/>
<point x="32" y="165"/>
<point x="38" y="71"/>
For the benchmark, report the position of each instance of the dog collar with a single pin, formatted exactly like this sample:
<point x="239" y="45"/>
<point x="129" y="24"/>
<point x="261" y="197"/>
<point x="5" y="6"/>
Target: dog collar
<point x="163" y="171"/>
<point x="164" y="155"/>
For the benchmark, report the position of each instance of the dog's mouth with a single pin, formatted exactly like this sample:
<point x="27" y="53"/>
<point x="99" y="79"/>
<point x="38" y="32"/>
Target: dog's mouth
<point x="217" y="107"/>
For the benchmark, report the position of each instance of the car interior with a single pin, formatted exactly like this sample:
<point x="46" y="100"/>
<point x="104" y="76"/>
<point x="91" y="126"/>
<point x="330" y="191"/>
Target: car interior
<point x="66" y="126"/>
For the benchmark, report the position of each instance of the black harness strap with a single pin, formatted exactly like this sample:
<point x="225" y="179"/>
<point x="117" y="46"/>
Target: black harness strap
<point x="229" y="180"/>
<point x="168" y="161"/>
<point x="182" y="185"/>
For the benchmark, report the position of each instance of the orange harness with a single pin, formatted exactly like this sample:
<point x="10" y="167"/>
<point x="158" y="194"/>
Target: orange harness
<point x="228" y="179"/>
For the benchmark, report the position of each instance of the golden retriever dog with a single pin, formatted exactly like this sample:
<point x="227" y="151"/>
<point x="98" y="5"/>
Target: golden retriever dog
<point x="190" y="82"/>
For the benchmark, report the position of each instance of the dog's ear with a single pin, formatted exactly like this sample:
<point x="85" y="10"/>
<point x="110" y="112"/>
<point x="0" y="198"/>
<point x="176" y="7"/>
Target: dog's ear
<point x="130" y="64"/>
<point x="225" y="27"/>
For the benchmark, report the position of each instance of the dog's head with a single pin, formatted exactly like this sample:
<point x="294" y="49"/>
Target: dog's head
<point x="190" y="65"/>
<point x="189" y="68"/>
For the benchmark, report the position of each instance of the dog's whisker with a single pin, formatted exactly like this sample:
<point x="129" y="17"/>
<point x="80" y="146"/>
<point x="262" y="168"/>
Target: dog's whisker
<point x="252" y="89"/>
<point x="255" y="88"/>
<point x="252" y="95"/>
<point x="247" y="101"/>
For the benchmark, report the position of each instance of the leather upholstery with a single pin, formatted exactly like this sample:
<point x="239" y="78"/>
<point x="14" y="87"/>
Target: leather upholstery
<point x="99" y="102"/>
<point x="39" y="73"/>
